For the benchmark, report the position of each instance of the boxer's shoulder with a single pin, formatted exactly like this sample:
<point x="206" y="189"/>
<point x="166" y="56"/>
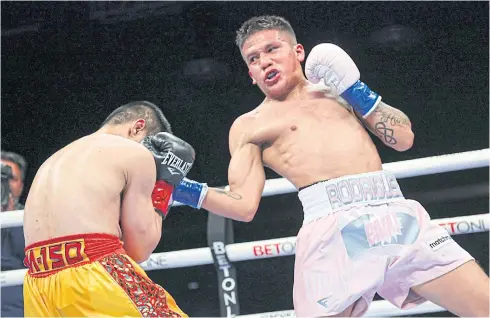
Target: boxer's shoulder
<point x="241" y="130"/>
<point x="244" y="124"/>
<point x="111" y="146"/>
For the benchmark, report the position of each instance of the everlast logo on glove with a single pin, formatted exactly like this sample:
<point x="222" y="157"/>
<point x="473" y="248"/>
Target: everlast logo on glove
<point x="173" y="158"/>
<point x="172" y="161"/>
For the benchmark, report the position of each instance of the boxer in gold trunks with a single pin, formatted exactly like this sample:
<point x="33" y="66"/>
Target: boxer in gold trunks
<point x="95" y="210"/>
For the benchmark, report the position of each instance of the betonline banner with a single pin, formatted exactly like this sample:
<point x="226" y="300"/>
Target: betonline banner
<point x="220" y="234"/>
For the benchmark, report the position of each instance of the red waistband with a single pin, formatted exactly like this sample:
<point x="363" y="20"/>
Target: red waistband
<point x="50" y="256"/>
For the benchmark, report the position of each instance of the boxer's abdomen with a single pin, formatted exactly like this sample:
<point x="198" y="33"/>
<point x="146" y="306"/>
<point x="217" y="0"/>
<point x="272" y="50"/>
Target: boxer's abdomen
<point x="319" y="141"/>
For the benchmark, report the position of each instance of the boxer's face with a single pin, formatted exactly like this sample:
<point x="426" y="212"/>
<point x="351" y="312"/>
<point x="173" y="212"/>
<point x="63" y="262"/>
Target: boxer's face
<point x="274" y="61"/>
<point x="16" y="184"/>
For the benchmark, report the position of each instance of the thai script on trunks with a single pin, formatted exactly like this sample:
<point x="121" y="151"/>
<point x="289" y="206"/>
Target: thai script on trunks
<point x="363" y="188"/>
<point x="175" y="162"/>
<point x="55" y="256"/>
<point x="274" y="249"/>
<point x="228" y="285"/>
<point x="463" y="227"/>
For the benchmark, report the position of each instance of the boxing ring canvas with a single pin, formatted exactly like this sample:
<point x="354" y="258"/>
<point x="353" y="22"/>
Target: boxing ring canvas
<point x="223" y="252"/>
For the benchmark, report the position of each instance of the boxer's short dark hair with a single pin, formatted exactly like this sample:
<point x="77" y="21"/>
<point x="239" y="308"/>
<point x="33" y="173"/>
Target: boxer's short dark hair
<point x="18" y="160"/>
<point x="261" y="23"/>
<point x="155" y="120"/>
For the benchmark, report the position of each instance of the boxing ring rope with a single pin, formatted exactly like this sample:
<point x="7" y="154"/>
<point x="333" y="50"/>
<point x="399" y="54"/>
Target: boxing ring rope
<point x="401" y="169"/>
<point x="278" y="248"/>
<point x="376" y="309"/>
<point x="286" y="246"/>
<point x="253" y="250"/>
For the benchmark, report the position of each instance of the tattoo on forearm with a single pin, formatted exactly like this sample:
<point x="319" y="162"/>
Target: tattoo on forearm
<point x="391" y="117"/>
<point x="232" y="195"/>
<point x="385" y="133"/>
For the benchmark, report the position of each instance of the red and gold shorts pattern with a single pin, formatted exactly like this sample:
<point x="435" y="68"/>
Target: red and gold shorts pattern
<point x="90" y="275"/>
<point x="149" y="298"/>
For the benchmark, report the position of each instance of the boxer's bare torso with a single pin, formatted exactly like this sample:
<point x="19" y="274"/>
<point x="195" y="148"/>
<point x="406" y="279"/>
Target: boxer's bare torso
<point x="79" y="189"/>
<point x="307" y="140"/>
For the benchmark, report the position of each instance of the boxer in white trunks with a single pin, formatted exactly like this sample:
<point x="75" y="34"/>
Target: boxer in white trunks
<point x="360" y="236"/>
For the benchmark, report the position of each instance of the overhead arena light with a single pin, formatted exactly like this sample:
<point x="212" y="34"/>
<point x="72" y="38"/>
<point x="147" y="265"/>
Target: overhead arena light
<point x="108" y="12"/>
<point x="395" y="37"/>
<point x="205" y="69"/>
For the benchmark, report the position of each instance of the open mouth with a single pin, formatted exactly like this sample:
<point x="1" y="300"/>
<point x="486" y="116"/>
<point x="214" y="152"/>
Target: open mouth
<point x="271" y="75"/>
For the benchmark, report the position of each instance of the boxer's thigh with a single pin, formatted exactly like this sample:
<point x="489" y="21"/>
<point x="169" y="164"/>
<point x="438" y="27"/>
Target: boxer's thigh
<point x="464" y="291"/>
<point x="35" y="303"/>
<point x="434" y="268"/>
<point x="329" y="279"/>
<point x="82" y="291"/>
<point x="452" y="278"/>
<point x="148" y="298"/>
<point x="92" y="290"/>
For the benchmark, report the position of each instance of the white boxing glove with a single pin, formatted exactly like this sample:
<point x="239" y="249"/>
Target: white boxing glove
<point x="334" y="66"/>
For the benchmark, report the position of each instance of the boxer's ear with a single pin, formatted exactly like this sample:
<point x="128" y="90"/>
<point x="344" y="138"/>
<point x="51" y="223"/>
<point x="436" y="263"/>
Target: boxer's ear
<point x="300" y="52"/>
<point x="138" y="127"/>
<point x="253" y="80"/>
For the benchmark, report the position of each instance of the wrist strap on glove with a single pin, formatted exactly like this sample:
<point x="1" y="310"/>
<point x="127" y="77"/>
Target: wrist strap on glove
<point x="190" y="193"/>
<point x="361" y="98"/>
<point x="162" y="197"/>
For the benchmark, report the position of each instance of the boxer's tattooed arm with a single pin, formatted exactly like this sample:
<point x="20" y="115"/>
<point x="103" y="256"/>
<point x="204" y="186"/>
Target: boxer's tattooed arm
<point x="385" y="133"/>
<point x="391" y="116"/>
<point x="232" y="195"/>
<point x="391" y="126"/>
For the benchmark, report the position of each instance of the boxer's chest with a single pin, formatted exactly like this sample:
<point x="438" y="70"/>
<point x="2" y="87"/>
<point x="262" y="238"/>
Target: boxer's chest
<point x="279" y="122"/>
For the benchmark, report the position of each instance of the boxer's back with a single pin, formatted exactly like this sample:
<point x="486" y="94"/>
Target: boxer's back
<point x="79" y="189"/>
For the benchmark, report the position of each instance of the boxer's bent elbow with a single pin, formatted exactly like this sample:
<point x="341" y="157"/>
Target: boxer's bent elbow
<point x="241" y="213"/>
<point x="142" y="251"/>
<point x="247" y="210"/>
<point x="231" y="204"/>
<point x="140" y="244"/>
<point x="140" y="257"/>
<point x="249" y="215"/>
<point x="405" y="142"/>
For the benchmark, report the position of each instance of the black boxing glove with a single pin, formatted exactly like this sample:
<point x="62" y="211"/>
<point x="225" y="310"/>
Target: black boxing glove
<point x="173" y="158"/>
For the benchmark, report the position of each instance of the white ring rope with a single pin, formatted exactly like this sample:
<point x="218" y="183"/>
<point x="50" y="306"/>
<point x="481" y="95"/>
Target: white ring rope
<point x="401" y="169"/>
<point x="258" y="249"/>
<point x="286" y="246"/>
<point x="380" y="308"/>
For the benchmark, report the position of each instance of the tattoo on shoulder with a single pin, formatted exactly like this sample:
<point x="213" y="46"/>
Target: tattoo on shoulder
<point x="232" y="195"/>
<point x="385" y="133"/>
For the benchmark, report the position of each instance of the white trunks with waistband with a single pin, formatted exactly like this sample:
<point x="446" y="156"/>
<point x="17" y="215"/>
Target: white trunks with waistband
<point x="325" y="197"/>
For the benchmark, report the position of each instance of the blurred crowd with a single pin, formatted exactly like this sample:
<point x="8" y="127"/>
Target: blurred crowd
<point x="14" y="168"/>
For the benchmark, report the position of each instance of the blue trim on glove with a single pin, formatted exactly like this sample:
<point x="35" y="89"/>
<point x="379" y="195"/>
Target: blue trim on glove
<point x="361" y="98"/>
<point x="188" y="192"/>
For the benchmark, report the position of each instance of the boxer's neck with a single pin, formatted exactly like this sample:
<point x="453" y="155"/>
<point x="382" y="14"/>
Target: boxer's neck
<point x="294" y="92"/>
<point x="117" y="130"/>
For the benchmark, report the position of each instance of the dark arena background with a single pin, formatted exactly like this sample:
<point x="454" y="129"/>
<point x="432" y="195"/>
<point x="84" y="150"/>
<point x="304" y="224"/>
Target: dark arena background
<point x="67" y="65"/>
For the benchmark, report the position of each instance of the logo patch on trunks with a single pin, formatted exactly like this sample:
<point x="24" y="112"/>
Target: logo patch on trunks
<point x="374" y="230"/>
<point x="439" y="242"/>
<point x="324" y="302"/>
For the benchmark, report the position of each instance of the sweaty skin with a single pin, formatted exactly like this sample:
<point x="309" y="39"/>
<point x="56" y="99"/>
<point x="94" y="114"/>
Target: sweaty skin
<point x="310" y="140"/>
<point x="299" y="131"/>
<point x="308" y="137"/>
<point x="100" y="183"/>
